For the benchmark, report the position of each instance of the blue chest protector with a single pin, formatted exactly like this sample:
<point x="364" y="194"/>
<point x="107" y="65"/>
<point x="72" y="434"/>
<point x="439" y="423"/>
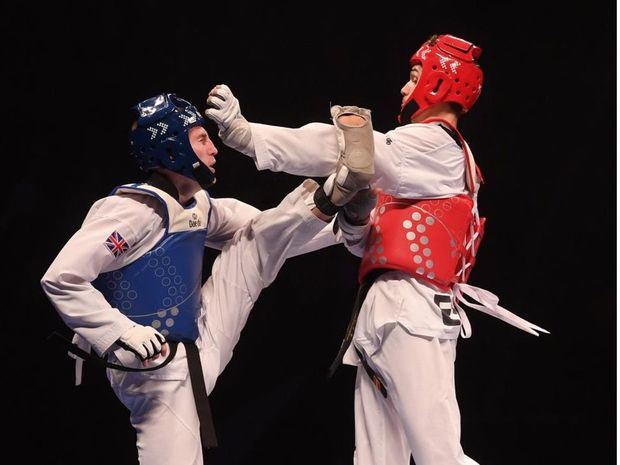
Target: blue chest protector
<point x="162" y="288"/>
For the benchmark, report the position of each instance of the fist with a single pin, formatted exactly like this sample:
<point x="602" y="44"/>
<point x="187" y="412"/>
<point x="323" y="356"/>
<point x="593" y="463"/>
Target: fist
<point x="223" y="107"/>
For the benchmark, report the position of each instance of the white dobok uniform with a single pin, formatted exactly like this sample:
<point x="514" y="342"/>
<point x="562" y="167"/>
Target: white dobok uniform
<point x="400" y="327"/>
<point x="254" y="247"/>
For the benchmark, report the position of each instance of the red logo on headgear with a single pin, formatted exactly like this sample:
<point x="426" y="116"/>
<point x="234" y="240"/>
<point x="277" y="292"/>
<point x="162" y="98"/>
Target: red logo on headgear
<point x="449" y="73"/>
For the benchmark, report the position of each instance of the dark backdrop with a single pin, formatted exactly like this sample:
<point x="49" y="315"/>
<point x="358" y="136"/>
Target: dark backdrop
<point x="542" y="131"/>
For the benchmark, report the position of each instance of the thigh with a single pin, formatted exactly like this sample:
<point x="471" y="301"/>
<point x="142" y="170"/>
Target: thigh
<point x="419" y="372"/>
<point x="163" y="413"/>
<point x="379" y="436"/>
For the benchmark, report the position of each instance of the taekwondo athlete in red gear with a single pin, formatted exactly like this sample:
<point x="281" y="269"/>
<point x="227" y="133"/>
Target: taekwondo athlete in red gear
<point x="128" y="282"/>
<point x="416" y="254"/>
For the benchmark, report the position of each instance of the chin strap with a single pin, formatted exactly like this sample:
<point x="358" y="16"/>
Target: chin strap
<point x="203" y="175"/>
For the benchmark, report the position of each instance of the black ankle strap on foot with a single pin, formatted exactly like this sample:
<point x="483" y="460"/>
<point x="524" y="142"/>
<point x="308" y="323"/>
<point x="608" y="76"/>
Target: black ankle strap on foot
<point x="323" y="203"/>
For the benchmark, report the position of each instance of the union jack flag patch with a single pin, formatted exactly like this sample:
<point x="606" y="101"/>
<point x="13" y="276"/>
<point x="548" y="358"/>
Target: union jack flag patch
<point x="116" y="244"/>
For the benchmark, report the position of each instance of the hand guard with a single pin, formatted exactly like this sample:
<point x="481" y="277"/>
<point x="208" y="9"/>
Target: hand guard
<point x="144" y="341"/>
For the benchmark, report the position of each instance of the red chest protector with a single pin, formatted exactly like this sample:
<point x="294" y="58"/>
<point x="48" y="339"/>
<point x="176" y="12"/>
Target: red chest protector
<point x="434" y="240"/>
<point x="429" y="239"/>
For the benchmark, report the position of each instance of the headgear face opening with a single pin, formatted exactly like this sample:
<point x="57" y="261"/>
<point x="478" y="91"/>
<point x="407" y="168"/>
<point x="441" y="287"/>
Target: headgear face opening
<point x="450" y="73"/>
<point x="161" y="137"/>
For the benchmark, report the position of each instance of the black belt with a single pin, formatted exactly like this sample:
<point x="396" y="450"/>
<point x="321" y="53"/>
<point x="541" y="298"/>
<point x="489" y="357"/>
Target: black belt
<point x="207" y="428"/>
<point x="376" y="379"/>
<point x="362" y="292"/>
<point x="75" y="350"/>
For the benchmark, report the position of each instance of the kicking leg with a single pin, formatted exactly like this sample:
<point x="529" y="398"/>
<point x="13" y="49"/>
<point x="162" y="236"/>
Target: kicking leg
<point x="248" y="264"/>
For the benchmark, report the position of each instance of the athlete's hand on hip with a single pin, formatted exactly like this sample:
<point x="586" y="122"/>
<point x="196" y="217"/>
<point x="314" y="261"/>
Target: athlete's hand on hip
<point x="144" y="341"/>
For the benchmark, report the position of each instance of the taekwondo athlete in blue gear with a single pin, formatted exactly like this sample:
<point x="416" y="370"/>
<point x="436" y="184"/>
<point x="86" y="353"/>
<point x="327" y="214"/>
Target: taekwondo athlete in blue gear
<point x="162" y="288"/>
<point x="128" y="281"/>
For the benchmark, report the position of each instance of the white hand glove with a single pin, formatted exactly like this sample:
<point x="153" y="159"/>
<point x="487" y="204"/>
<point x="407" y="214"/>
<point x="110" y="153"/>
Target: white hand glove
<point x="144" y="341"/>
<point x="224" y="107"/>
<point x="234" y="130"/>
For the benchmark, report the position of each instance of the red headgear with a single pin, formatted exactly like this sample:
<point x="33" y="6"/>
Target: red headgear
<point x="450" y="73"/>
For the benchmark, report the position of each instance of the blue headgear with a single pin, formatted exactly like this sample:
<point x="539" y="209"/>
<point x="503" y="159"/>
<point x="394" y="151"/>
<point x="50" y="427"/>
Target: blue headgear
<point x="161" y="137"/>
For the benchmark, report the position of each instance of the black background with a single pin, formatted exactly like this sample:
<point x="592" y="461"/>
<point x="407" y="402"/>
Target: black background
<point x="543" y="134"/>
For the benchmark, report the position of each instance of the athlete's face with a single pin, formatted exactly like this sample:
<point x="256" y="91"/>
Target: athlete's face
<point x="414" y="77"/>
<point x="203" y="146"/>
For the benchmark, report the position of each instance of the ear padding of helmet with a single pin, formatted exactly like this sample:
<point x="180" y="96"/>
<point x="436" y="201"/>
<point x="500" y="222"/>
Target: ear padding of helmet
<point x="436" y="87"/>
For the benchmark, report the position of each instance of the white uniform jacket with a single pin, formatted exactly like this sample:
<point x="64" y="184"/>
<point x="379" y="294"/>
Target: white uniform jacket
<point x="139" y="221"/>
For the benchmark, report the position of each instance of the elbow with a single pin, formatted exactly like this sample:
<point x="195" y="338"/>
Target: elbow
<point x="50" y="282"/>
<point x="46" y="280"/>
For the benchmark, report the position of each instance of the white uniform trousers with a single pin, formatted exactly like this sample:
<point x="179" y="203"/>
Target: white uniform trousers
<point x="161" y="402"/>
<point x="420" y="415"/>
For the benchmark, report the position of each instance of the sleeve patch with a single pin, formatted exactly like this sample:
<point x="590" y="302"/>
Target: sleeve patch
<point x="116" y="245"/>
